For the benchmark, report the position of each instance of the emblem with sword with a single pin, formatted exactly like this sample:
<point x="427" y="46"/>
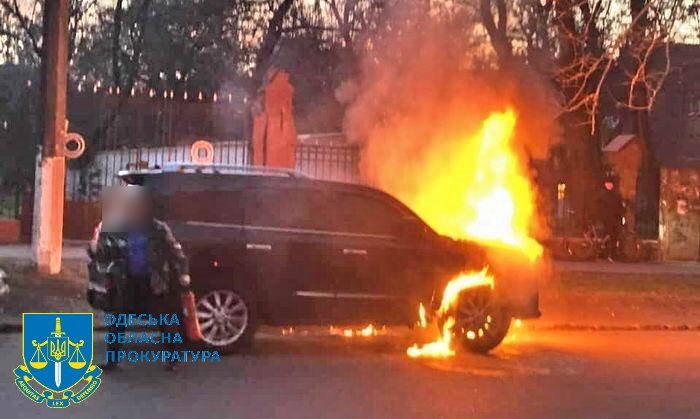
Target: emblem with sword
<point x="59" y="345"/>
<point x="58" y="350"/>
<point x="51" y="338"/>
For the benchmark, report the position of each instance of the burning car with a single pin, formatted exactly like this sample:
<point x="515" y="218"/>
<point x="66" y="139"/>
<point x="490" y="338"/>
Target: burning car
<point x="271" y="246"/>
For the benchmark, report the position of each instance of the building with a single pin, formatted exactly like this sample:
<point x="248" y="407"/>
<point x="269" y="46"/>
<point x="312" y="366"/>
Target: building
<point x="675" y="142"/>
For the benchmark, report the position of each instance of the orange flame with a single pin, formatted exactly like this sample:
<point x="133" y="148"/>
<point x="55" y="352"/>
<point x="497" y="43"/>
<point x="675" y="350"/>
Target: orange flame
<point x="441" y="348"/>
<point x="422" y="320"/>
<point x="477" y="187"/>
<point x="366" y="331"/>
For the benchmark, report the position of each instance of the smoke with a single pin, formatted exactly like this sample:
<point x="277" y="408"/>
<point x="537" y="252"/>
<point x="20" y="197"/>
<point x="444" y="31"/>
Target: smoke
<point x="426" y="83"/>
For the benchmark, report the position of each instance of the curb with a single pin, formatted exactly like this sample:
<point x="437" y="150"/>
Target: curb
<point x="620" y="328"/>
<point x="10" y="328"/>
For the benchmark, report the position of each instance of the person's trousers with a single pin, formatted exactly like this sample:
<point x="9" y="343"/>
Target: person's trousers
<point x="155" y="306"/>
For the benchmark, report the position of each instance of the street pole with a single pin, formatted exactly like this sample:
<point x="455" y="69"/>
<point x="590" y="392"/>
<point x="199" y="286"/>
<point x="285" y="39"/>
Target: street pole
<point x="47" y="240"/>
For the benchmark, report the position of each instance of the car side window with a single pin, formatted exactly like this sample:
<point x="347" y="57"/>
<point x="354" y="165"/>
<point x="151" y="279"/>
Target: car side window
<point x="281" y="208"/>
<point x="206" y="206"/>
<point x="320" y="210"/>
<point x="355" y="213"/>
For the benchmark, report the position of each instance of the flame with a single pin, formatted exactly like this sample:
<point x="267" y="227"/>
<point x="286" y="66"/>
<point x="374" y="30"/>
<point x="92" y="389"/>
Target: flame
<point x="441" y="348"/>
<point x="462" y="282"/>
<point x="367" y="331"/>
<point x="472" y="186"/>
<point x="422" y="320"/>
<point x="515" y="333"/>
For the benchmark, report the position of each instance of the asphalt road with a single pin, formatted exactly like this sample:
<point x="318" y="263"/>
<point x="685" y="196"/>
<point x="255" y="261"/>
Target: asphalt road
<point x="542" y="374"/>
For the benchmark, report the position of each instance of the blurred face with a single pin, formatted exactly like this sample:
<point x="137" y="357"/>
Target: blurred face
<point x="138" y="205"/>
<point x="125" y="207"/>
<point x="113" y="209"/>
<point x="609" y="186"/>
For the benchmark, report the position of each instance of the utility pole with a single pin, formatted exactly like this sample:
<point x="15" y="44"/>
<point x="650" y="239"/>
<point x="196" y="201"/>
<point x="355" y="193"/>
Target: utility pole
<point x="47" y="240"/>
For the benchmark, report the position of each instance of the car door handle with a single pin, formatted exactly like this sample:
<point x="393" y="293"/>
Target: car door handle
<point x="361" y="252"/>
<point x="259" y="246"/>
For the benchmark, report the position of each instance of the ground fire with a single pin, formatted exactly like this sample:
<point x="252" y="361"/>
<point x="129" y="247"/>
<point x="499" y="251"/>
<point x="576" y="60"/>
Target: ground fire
<point x="481" y="192"/>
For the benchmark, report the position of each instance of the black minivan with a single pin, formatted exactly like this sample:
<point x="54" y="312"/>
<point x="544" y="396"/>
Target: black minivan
<point x="272" y="246"/>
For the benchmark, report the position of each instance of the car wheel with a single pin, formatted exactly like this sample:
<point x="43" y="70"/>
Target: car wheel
<point x="480" y="322"/>
<point x="226" y="319"/>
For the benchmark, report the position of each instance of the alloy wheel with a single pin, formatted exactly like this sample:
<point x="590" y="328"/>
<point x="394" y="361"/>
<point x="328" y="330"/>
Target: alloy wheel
<point x="223" y="317"/>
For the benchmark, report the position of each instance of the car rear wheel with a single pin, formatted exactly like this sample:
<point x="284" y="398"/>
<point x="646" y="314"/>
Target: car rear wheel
<point x="226" y="319"/>
<point x="480" y="322"/>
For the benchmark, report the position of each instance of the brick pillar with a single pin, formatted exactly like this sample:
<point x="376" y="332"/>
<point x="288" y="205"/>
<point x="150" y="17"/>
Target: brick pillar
<point x="274" y="132"/>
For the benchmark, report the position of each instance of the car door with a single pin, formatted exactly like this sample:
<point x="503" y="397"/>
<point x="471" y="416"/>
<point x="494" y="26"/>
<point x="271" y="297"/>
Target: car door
<point x="382" y="259"/>
<point x="290" y="251"/>
<point x="211" y="234"/>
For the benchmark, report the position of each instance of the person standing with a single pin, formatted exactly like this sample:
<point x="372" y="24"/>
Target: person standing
<point x="612" y="210"/>
<point x="154" y="266"/>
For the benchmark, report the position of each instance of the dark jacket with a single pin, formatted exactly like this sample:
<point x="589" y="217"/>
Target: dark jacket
<point x="611" y="209"/>
<point x="166" y="258"/>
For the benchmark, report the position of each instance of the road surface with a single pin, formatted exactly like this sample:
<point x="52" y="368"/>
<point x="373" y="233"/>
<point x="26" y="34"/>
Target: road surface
<point x="539" y="374"/>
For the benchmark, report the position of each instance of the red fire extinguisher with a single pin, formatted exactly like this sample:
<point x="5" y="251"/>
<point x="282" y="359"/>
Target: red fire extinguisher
<point x="194" y="333"/>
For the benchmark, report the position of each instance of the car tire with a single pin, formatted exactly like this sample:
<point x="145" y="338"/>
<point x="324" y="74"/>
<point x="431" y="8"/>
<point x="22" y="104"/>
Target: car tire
<point x="227" y="319"/>
<point x="481" y="323"/>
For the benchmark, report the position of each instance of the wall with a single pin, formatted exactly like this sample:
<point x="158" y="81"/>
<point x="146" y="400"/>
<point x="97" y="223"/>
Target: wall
<point x="679" y="217"/>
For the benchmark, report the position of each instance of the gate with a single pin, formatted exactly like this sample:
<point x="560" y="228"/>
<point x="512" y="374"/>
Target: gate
<point x="14" y="215"/>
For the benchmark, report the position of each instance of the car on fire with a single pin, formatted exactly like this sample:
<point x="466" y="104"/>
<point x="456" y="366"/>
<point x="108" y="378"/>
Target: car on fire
<point x="272" y="246"/>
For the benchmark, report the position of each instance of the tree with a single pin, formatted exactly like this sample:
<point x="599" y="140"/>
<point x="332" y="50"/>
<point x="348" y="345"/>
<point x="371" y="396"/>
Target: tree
<point x="601" y="60"/>
<point x="21" y="28"/>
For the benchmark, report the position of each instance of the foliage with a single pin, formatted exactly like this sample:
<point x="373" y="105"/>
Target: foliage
<point x="594" y="53"/>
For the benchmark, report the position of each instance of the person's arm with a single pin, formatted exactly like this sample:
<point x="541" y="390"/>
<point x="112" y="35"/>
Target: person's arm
<point x="176" y="256"/>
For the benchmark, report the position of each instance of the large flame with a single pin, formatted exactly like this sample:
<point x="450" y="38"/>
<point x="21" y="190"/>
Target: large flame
<point x="475" y="188"/>
<point x="478" y="189"/>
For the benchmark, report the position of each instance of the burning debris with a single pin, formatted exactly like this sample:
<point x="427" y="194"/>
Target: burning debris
<point x="367" y="331"/>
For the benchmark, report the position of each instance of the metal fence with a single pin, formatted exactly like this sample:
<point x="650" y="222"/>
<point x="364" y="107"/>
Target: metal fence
<point x="10" y="203"/>
<point x="339" y="162"/>
<point x="85" y="184"/>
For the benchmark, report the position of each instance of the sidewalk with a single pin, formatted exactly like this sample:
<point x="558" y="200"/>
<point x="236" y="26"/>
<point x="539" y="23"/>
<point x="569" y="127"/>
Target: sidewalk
<point x="646" y="268"/>
<point x="31" y="293"/>
<point x="72" y="250"/>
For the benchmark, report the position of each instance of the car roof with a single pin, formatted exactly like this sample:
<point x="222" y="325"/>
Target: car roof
<point x="254" y="175"/>
<point x="223" y="169"/>
<point x="262" y="175"/>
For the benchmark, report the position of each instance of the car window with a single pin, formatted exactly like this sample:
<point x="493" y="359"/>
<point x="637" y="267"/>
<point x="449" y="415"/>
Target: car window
<point x="283" y="208"/>
<point x="320" y="210"/>
<point x="207" y="206"/>
<point x="362" y="214"/>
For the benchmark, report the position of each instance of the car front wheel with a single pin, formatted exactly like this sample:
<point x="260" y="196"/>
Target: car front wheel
<point x="480" y="322"/>
<point x="226" y="319"/>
